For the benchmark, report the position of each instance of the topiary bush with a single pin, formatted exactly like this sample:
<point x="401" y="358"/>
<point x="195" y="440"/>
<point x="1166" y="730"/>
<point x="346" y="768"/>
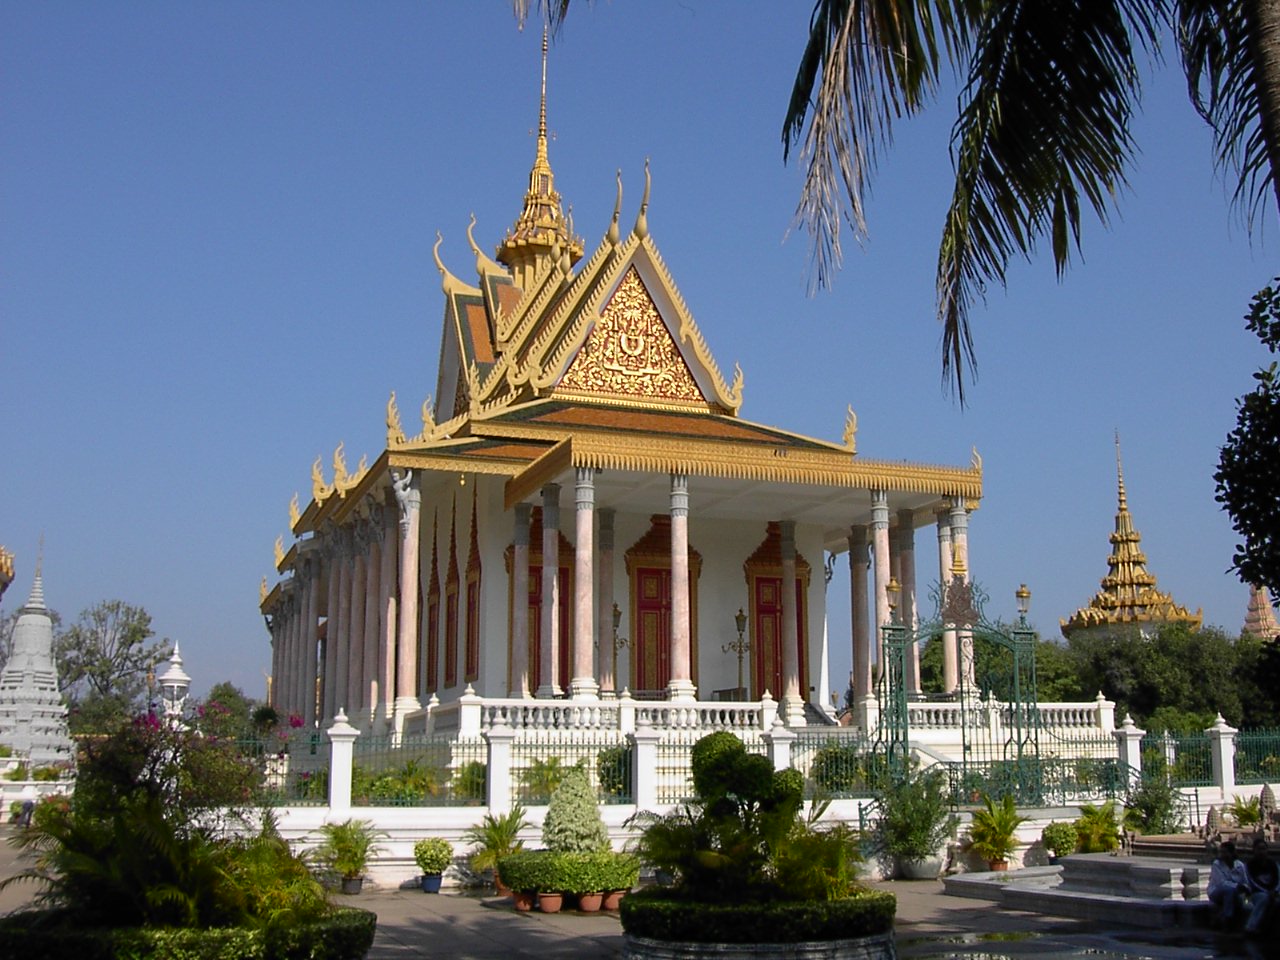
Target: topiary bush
<point x="546" y="871"/>
<point x="573" y="823"/>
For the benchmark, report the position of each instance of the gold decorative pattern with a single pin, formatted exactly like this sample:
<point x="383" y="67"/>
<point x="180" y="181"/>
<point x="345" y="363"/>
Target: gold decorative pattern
<point x="262" y="591"/>
<point x="851" y="430"/>
<point x="6" y="570"/>
<point x="294" y="515"/>
<point x="319" y="489"/>
<point x="1260" y="619"/>
<point x="279" y="551"/>
<point x="630" y="352"/>
<point x="395" y="433"/>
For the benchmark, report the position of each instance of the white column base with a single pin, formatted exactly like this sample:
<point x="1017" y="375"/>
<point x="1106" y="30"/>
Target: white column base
<point x="682" y="690"/>
<point x="867" y="710"/>
<point x="792" y="712"/>
<point x="404" y="707"/>
<point x="548" y="692"/>
<point x="584" y="688"/>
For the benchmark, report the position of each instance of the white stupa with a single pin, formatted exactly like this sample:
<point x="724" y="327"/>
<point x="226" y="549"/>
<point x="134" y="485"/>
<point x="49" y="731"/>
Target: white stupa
<point x="33" y="716"/>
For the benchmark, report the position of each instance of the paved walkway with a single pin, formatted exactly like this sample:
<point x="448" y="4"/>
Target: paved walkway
<point x="413" y="924"/>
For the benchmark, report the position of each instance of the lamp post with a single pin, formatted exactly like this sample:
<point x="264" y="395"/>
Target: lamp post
<point x="174" y="687"/>
<point x="740" y="646"/>
<point x="618" y="643"/>
<point x="893" y="684"/>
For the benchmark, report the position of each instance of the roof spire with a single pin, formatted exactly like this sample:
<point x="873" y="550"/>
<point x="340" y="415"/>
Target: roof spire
<point x="1124" y="502"/>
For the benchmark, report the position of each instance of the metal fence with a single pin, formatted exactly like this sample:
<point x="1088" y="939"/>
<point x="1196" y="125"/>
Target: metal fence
<point x="837" y="765"/>
<point x="1038" y="781"/>
<point x="1258" y="756"/>
<point x="539" y="760"/>
<point x="293" y="772"/>
<point x="419" y="771"/>
<point x="1185" y="758"/>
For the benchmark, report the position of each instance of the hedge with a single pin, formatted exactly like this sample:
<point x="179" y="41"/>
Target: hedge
<point x="545" y="871"/>
<point x="347" y="934"/>
<point x="654" y="914"/>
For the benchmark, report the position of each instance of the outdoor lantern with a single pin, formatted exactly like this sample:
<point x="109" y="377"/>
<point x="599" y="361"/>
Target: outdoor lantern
<point x="1023" y="596"/>
<point x="741" y="620"/>
<point x="617" y="620"/>
<point x="174" y="686"/>
<point x="893" y="591"/>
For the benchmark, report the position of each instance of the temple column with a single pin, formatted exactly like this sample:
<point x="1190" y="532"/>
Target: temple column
<point x="311" y="644"/>
<point x="342" y="640"/>
<point x="333" y="565"/>
<point x="960" y="568"/>
<point x="369" y="637"/>
<point x="880" y="541"/>
<point x="858" y="614"/>
<point x="582" y="686"/>
<point x="604" y="610"/>
<point x="409" y="502"/>
<point x="792" y="697"/>
<point x="279" y="630"/>
<point x="950" y="659"/>
<point x="292" y="660"/>
<point x="355" y="643"/>
<point x="681" y="685"/>
<point x="907" y="580"/>
<point x="520" y="603"/>
<point x="550" y="625"/>
<point x="387" y="619"/>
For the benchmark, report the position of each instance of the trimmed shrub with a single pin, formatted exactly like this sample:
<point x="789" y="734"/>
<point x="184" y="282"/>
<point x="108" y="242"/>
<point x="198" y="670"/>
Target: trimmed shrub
<point x="573" y="823"/>
<point x="656" y="914"/>
<point x="346" y="933"/>
<point x="546" y="871"/>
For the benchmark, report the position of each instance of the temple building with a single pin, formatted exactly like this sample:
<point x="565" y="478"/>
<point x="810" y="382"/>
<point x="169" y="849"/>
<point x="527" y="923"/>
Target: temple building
<point x="33" y="716"/>
<point x="1129" y="598"/>
<point x="583" y="511"/>
<point x="6" y="570"/>
<point x="1260" y="619"/>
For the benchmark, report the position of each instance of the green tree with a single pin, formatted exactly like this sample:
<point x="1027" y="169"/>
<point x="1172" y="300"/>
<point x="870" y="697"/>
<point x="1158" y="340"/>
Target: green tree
<point x="226" y="711"/>
<point x="1249" y="462"/>
<point x="103" y="659"/>
<point x="1043" y="130"/>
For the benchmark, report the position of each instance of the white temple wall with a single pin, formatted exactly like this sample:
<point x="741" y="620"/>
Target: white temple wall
<point x="497" y="527"/>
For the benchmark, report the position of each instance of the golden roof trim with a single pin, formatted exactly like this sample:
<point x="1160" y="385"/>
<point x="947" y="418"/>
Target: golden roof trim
<point x="543" y="470"/>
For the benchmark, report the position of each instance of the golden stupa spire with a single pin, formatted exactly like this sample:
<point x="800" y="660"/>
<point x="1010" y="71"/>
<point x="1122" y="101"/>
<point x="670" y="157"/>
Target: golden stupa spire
<point x="541" y="232"/>
<point x="1260" y="619"/>
<point x="1128" y="596"/>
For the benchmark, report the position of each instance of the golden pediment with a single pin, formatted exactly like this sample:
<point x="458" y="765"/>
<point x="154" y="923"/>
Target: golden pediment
<point x="630" y="353"/>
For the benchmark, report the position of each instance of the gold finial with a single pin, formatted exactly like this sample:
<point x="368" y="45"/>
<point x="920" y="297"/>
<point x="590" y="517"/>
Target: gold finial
<point x="262" y="591"/>
<point x="1124" y="502"/>
<point x="612" y="235"/>
<point x="279" y="551"/>
<point x="641" y="229"/>
<point x="851" y="429"/>
<point x="319" y="489"/>
<point x="294" y="516"/>
<point x="340" y="474"/>
<point x="735" y="390"/>
<point x="975" y="459"/>
<point x="428" y="419"/>
<point x="542" y="106"/>
<point x="395" y="433"/>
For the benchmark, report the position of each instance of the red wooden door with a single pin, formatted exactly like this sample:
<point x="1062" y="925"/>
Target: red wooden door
<point x="652" y="669"/>
<point x="535" y="627"/>
<point x="766" y="640"/>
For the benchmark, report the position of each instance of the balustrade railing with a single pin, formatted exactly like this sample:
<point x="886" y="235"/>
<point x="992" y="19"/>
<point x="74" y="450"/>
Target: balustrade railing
<point x="1257" y="756"/>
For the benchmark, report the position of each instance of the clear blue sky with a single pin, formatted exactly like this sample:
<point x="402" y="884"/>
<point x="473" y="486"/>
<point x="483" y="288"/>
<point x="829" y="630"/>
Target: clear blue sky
<point x="215" y="263"/>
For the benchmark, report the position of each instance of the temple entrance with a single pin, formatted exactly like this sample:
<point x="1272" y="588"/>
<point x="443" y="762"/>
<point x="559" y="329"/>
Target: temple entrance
<point x="648" y="564"/>
<point x="565" y="582"/>
<point x="764" y="588"/>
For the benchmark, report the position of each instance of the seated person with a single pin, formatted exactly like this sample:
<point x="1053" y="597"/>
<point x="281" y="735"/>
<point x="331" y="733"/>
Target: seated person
<point x="1228" y="883"/>
<point x="1261" y="874"/>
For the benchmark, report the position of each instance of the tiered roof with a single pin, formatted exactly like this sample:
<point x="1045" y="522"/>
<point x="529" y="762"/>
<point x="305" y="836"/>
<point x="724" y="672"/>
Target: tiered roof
<point x="1129" y="597"/>
<point x="1260" y="620"/>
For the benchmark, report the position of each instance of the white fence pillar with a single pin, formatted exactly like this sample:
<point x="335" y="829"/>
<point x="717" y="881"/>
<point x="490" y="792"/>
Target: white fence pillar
<point x="626" y="712"/>
<point x="1129" y="748"/>
<point x="779" y="739"/>
<point x="499" y="774"/>
<point x="1104" y="713"/>
<point x="469" y="705"/>
<point x="342" y="738"/>
<point x="1222" y="751"/>
<point x="645" y="773"/>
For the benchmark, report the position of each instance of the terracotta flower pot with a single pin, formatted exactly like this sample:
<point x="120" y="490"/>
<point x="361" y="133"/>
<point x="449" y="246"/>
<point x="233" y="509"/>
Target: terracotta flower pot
<point x="502" y="889"/>
<point x="523" y="900"/>
<point x="998" y="864"/>
<point x="613" y="899"/>
<point x="550" y="902"/>
<point x="590" y="902"/>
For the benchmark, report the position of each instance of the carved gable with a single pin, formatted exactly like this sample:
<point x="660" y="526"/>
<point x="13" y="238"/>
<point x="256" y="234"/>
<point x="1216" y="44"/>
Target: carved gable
<point x="630" y="354"/>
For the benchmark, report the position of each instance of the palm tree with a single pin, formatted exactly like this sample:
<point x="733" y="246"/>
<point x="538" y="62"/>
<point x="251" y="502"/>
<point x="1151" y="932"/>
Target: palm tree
<point x="1043" y="125"/>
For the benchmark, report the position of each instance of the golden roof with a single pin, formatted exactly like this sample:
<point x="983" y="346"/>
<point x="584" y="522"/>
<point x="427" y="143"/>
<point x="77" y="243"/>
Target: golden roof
<point x="1128" y="596"/>
<point x="6" y="570"/>
<point x="1260" y="621"/>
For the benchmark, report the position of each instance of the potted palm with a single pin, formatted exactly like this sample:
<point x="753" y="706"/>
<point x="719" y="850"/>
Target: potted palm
<point x="915" y="824"/>
<point x="1097" y="829"/>
<point x="433" y="856"/>
<point x="1059" y="839"/>
<point x="495" y="837"/>
<point x="993" y="833"/>
<point x="345" y="849"/>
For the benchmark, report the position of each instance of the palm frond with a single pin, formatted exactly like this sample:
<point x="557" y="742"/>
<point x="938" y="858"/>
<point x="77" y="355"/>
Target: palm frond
<point x="1219" y="47"/>
<point x="1043" y="129"/>
<point x="866" y="62"/>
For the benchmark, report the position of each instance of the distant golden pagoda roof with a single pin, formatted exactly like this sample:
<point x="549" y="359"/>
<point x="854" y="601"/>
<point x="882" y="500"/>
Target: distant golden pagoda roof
<point x="541" y="230"/>
<point x="1128" y="596"/>
<point x="6" y="570"/>
<point x="1260" y="621"/>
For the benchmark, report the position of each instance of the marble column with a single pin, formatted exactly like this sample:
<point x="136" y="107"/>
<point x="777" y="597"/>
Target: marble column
<point x="960" y="568"/>
<point x="907" y="579"/>
<point x="333" y="566"/>
<point x="950" y="660"/>
<point x="408" y="495"/>
<point x="880" y="541"/>
<point x="550" y="624"/>
<point x="387" y="619"/>
<point x="311" y="644"/>
<point x="370" y="639"/>
<point x="793" y="698"/>
<point x="279" y="630"/>
<point x="604" y="609"/>
<point x="520" y="602"/>
<point x="858" y="614"/>
<point x="582" y="686"/>
<point x="681" y="685"/>
<point x="342" y="640"/>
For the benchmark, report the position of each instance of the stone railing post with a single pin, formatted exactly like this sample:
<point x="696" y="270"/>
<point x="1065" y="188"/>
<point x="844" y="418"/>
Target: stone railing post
<point x="644" y="774"/>
<point x="1129" y="747"/>
<point x="1222" y="751"/>
<point x="626" y="712"/>
<point x="779" y="738"/>
<point x="1104" y="713"/>
<point x="429" y="725"/>
<point x="469" y="705"/>
<point x="342" y="738"/>
<point x="499" y="772"/>
<point x="768" y="711"/>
